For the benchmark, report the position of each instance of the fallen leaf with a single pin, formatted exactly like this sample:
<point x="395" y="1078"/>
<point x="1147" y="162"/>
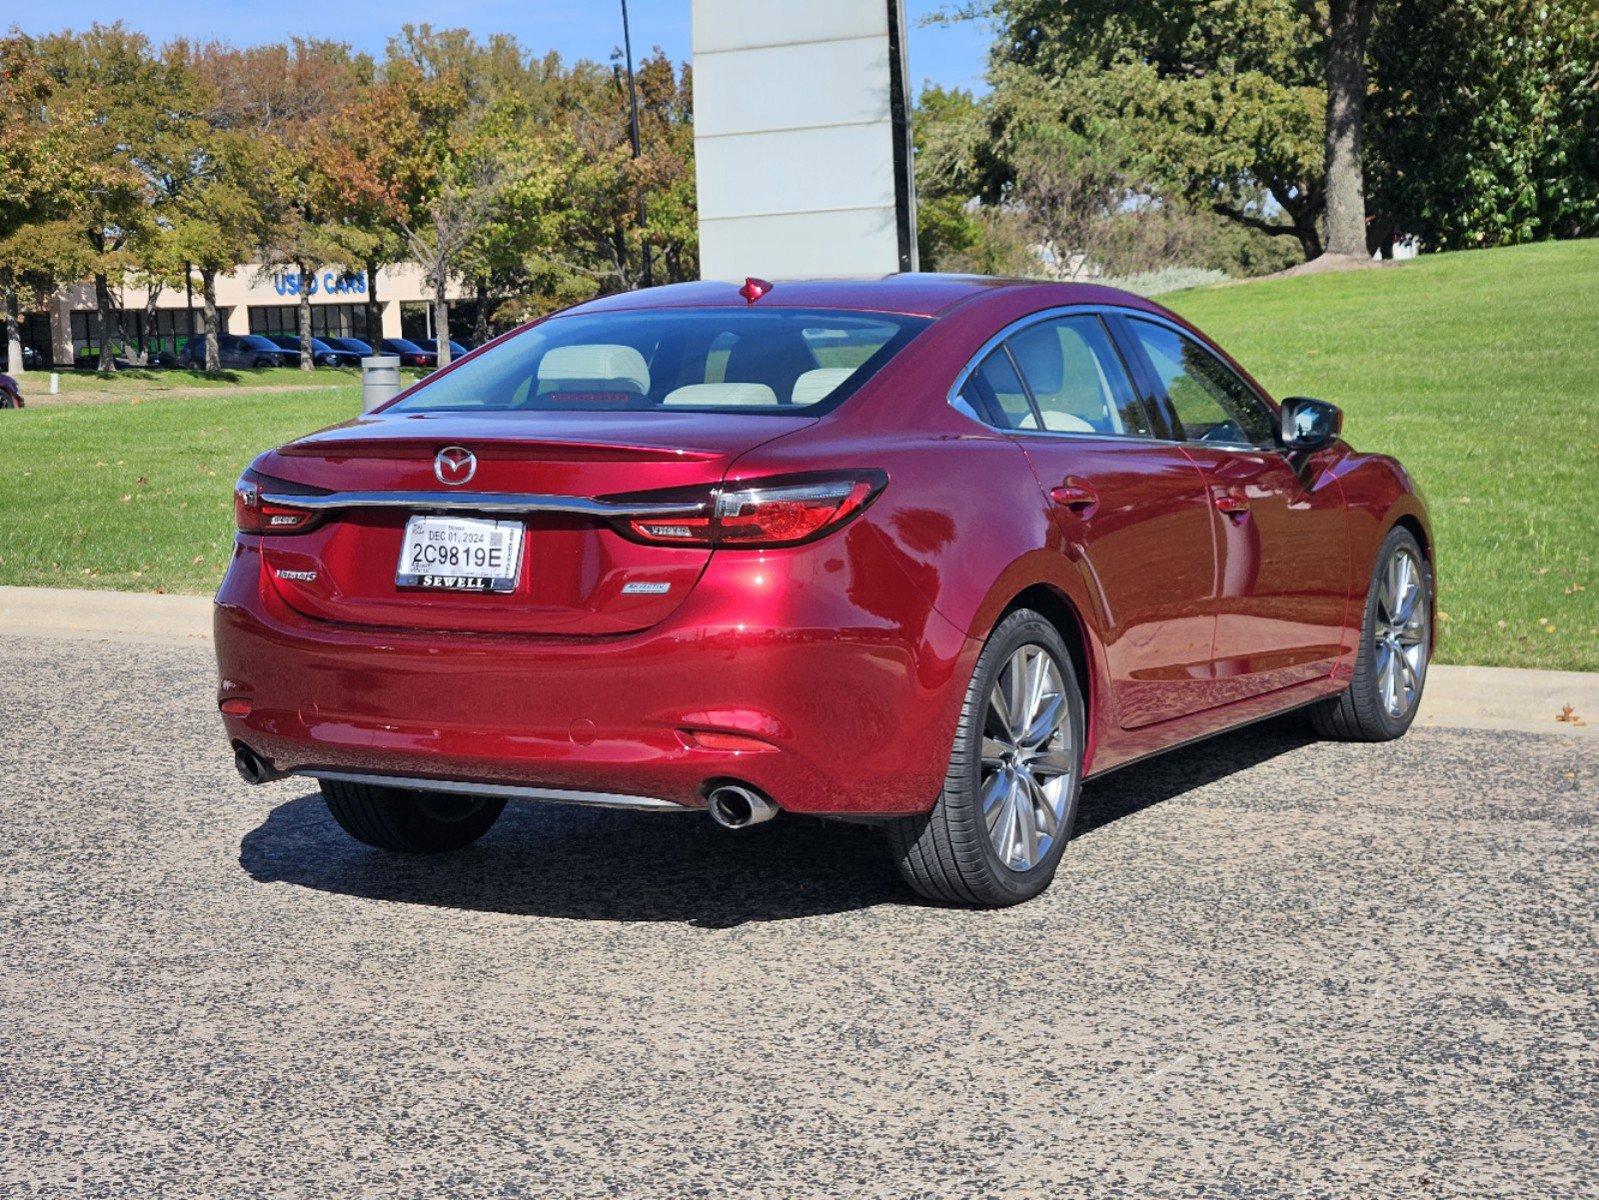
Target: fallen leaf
<point x="1568" y="715"/>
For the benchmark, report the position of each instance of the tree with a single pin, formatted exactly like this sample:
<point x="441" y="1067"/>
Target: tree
<point x="1223" y="101"/>
<point x="1492" y="136"/>
<point x="213" y="186"/>
<point x="286" y="97"/>
<point x="40" y="170"/>
<point x="124" y="89"/>
<point x="450" y="126"/>
<point x="1345" y="24"/>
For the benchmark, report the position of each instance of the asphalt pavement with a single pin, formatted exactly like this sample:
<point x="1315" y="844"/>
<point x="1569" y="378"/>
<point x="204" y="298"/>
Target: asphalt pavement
<point x="1269" y="967"/>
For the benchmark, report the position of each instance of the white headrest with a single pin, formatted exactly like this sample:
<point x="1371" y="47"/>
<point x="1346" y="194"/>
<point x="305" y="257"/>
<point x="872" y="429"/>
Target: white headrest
<point x="819" y="384"/>
<point x="597" y="361"/>
<point x="703" y="395"/>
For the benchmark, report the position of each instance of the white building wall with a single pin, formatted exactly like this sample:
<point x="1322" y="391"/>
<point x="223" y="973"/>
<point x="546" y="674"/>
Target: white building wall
<point x="794" y="138"/>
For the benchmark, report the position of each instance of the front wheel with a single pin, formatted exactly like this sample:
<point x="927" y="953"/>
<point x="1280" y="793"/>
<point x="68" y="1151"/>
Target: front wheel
<point x="1395" y="648"/>
<point x="407" y="820"/>
<point x="999" y="827"/>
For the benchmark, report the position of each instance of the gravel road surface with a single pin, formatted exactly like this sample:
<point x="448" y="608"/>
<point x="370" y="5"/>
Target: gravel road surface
<point x="1269" y="967"/>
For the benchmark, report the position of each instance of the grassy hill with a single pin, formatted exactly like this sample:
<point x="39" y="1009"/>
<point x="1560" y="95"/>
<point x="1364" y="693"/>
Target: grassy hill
<point x="1481" y="371"/>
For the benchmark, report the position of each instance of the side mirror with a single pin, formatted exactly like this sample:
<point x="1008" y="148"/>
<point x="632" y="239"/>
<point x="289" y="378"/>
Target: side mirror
<point x="1310" y="424"/>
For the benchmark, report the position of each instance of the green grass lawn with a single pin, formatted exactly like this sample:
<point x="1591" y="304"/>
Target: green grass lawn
<point x="1480" y="370"/>
<point x="139" y="496"/>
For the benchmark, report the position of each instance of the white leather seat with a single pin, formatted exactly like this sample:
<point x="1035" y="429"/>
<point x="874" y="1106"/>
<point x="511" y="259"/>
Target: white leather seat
<point x="719" y="395"/>
<point x="819" y="384"/>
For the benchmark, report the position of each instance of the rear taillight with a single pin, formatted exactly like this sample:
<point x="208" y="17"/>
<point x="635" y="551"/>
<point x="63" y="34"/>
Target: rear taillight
<point x="252" y="513"/>
<point x="784" y="511"/>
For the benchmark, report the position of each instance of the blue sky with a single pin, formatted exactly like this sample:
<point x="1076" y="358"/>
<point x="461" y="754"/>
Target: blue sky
<point x="952" y="55"/>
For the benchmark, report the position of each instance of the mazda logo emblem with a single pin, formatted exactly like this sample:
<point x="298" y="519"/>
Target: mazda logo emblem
<point x="454" y="465"/>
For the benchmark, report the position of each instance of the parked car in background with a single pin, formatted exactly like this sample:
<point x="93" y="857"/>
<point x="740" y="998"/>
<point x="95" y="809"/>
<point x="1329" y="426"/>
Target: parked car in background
<point x="322" y="354"/>
<point x="924" y="551"/>
<point x="10" y="393"/>
<point x="355" y="348"/>
<point x="239" y="351"/>
<point x="411" y="354"/>
<point x="32" y="360"/>
<point x="431" y="345"/>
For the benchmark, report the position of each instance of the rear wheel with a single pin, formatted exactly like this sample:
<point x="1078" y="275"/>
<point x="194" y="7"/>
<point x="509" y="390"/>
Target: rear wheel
<point x="1395" y="648"/>
<point x="410" y="821"/>
<point x="999" y="827"/>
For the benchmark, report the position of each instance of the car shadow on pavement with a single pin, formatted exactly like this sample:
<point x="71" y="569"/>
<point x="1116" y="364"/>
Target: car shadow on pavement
<point x="582" y="864"/>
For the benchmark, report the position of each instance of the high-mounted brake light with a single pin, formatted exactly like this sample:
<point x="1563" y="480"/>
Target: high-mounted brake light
<point x="782" y="511"/>
<point x="252" y="514"/>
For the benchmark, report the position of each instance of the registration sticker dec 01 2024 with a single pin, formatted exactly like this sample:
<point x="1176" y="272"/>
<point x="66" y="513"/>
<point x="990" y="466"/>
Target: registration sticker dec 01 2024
<point x="460" y="554"/>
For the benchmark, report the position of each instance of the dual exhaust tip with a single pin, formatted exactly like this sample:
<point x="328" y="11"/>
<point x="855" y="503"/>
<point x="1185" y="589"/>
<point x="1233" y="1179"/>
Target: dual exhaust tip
<point x="734" y="806"/>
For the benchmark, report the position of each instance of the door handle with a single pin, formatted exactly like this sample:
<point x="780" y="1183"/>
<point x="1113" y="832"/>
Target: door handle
<point x="1074" y="494"/>
<point x="1234" y="504"/>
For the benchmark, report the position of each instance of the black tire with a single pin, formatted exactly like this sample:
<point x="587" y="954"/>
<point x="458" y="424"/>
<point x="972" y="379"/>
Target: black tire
<point x="412" y="822"/>
<point x="1358" y="714"/>
<point x="946" y="854"/>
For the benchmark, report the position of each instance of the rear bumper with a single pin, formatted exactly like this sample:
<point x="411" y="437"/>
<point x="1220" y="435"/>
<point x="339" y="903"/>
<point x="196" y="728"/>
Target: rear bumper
<point x="826" y="654"/>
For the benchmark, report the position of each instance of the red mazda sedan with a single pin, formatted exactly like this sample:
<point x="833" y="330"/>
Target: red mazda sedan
<point x="926" y="551"/>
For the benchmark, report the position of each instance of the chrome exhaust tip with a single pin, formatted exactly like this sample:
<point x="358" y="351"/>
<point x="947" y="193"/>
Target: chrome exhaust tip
<point x="251" y="766"/>
<point x="734" y="806"/>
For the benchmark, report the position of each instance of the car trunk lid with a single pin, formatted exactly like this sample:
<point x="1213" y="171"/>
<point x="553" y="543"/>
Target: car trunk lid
<point x="576" y="575"/>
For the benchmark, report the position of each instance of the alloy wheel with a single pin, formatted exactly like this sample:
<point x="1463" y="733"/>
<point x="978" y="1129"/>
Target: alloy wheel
<point x="1401" y="633"/>
<point x="1027" y="759"/>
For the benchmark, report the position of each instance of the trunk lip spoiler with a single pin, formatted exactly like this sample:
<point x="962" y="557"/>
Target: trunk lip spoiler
<point x="488" y="502"/>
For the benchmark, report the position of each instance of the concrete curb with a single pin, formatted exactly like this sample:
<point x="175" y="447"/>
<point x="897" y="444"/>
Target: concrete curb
<point x="104" y="616"/>
<point x="1505" y="698"/>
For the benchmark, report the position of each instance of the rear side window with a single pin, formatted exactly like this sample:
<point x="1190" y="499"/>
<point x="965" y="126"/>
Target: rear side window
<point x="1210" y="401"/>
<point x="996" y="393"/>
<point x="1077" y="379"/>
<point x="766" y="361"/>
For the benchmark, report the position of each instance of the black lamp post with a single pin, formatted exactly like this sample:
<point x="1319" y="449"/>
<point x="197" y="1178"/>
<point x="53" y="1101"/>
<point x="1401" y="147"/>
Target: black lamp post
<point x="632" y="101"/>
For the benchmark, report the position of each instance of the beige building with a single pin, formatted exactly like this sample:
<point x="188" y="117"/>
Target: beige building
<point x="250" y="299"/>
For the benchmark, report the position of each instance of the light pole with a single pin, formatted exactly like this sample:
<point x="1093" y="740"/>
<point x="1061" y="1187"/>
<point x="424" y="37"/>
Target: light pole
<point x="632" y="103"/>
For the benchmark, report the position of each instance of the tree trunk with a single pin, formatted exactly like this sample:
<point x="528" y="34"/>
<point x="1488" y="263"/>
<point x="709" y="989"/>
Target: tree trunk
<point x="480" y="318"/>
<point x="374" y="311"/>
<point x="208" y="293"/>
<point x="441" y="319"/>
<point x="307" y="276"/>
<point x="14" y="360"/>
<point x="102" y="303"/>
<point x="151" y="295"/>
<point x="1346" y="134"/>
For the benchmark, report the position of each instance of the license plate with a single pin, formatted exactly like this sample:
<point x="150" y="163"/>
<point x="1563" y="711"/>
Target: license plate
<point x="460" y="554"/>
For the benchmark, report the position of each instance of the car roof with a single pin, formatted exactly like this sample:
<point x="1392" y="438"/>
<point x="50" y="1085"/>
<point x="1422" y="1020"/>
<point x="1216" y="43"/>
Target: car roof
<point x="907" y="294"/>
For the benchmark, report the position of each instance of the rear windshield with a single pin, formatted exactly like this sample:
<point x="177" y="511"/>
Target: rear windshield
<point x="707" y="360"/>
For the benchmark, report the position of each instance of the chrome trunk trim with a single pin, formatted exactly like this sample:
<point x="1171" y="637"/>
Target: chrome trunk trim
<point x="484" y="502"/>
<point x="508" y="791"/>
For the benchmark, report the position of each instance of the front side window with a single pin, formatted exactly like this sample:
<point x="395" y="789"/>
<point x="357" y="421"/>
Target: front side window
<point x="1209" y="400"/>
<point x="725" y="359"/>
<point x="1077" y="379"/>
